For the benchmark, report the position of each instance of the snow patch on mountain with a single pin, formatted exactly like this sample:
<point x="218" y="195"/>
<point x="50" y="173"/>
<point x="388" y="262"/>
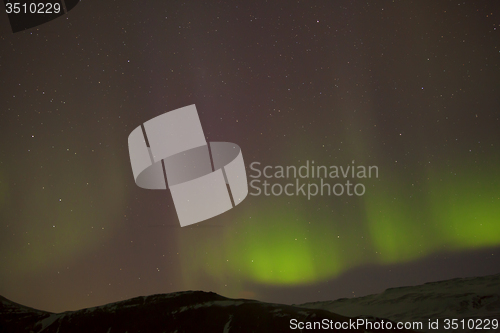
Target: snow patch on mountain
<point x="460" y="298"/>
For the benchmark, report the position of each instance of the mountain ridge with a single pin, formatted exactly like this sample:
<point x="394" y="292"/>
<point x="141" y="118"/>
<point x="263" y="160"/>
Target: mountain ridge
<point x="189" y="311"/>
<point x="200" y="311"/>
<point x="458" y="298"/>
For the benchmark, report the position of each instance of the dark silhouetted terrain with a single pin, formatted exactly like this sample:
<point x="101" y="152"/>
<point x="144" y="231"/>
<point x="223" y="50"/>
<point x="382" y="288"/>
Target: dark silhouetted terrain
<point x="197" y="311"/>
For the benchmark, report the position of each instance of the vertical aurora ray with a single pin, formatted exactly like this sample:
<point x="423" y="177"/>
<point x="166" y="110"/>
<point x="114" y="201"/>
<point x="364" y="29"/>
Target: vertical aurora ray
<point x="467" y="205"/>
<point x="280" y="246"/>
<point x="280" y="241"/>
<point x="398" y="223"/>
<point x="451" y="211"/>
<point x="74" y="224"/>
<point x="271" y="248"/>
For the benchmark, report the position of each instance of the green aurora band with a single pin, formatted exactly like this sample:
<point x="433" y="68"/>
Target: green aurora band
<point x="279" y="242"/>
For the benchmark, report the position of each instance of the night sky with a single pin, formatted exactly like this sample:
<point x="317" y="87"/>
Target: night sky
<point x="412" y="87"/>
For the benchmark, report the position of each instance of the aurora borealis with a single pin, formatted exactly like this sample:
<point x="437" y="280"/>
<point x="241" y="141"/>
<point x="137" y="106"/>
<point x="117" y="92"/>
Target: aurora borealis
<point x="409" y="87"/>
